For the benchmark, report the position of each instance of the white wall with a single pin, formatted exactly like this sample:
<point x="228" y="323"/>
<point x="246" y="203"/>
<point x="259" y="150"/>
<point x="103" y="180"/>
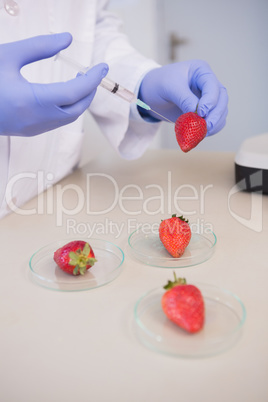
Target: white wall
<point x="139" y="18"/>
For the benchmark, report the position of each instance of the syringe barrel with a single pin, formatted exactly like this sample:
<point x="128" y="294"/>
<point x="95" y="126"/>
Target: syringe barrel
<point x="118" y="90"/>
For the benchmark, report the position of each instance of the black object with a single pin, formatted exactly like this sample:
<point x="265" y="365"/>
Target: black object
<point x="251" y="164"/>
<point x="251" y="179"/>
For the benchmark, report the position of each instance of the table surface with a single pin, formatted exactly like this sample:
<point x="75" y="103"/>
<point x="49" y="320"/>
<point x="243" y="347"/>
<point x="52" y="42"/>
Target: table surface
<point x="81" y="346"/>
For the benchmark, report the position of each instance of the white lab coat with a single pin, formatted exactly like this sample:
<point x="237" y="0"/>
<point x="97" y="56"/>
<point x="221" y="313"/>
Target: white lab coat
<point x="96" y="38"/>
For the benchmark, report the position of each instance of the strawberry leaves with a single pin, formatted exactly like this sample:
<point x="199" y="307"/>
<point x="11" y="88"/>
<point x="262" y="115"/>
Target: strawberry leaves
<point x="80" y="259"/>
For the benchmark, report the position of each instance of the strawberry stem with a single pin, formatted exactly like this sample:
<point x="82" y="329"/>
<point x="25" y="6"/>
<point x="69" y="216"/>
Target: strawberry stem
<point x="176" y="282"/>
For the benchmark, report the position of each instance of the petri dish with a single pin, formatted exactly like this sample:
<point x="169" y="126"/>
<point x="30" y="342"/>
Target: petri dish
<point x="225" y="315"/>
<point x="148" y="249"/>
<point x="45" y="272"/>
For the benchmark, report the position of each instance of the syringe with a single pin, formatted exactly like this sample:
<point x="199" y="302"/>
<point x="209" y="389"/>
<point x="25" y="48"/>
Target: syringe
<point x="122" y="92"/>
<point x="110" y="85"/>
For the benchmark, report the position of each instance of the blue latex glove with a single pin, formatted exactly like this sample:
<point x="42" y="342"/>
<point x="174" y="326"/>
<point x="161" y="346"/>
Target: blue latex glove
<point x="177" y="88"/>
<point x="28" y="109"/>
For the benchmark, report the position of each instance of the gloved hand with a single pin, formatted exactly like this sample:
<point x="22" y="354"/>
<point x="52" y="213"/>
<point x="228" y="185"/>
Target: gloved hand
<point x="28" y="109"/>
<point x="177" y="88"/>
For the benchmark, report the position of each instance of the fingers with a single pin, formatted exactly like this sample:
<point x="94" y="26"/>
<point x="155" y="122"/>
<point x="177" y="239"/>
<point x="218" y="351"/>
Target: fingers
<point x="213" y="100"/>
<point x="212" y="105"/>
<point x="195" y="86"/>
<point x="216" y="119"/>
<point x="79" y="107"/>
<point x="67" y="94"/>
<point x="209" y="87"/>
<point x="184" y="98"/>
<point x="80" y="87"/>
<point x="33" y="49"/>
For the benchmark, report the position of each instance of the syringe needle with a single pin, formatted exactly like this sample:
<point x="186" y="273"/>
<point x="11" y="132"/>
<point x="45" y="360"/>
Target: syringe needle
<point x="147" y="107"/>
<point x="161" y="116"/>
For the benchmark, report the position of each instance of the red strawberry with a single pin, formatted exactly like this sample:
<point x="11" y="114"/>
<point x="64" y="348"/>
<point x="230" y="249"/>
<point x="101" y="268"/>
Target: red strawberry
<point x="183" y="304"/>
<point x="175" y="234"/>
<point x="190" y="129"/>
<point x="75" y="257"/>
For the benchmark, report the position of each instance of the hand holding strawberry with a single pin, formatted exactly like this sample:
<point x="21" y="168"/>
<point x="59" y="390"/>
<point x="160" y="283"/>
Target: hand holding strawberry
<point x="190" y="129"/>
<point x="177" y="88"/>
<point x="175" y="234"/>
<point x="75" y="257"/>
<point x="183" y="304"/>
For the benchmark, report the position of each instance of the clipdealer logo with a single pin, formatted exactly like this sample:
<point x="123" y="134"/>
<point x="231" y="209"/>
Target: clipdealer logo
<point x="151" y="200"/>
<point x="131" y="199"/>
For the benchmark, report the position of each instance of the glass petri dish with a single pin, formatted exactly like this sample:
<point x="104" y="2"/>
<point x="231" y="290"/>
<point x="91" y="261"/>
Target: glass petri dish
<point x="225" y="315"/>
<point x="45" y="272"/>
<point x="148" y="249"/>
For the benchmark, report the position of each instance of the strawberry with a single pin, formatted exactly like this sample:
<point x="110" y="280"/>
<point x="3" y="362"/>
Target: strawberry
<point x="175" y="234"/>
<point x="75" y="257"/>
<point x="190" y="129"/>
<point x="184" y="305"/>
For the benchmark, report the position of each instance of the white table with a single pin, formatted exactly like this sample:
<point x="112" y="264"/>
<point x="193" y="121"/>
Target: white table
<point x="80" y="346"/>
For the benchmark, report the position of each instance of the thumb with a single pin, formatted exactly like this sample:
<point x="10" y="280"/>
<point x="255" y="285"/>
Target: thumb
<point x="39" y="47"/>
<point x="71" y="92"/>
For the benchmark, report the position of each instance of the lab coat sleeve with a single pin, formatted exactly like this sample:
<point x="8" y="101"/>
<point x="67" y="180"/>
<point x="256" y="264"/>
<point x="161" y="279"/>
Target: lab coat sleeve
<point x="119" y="121"/>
